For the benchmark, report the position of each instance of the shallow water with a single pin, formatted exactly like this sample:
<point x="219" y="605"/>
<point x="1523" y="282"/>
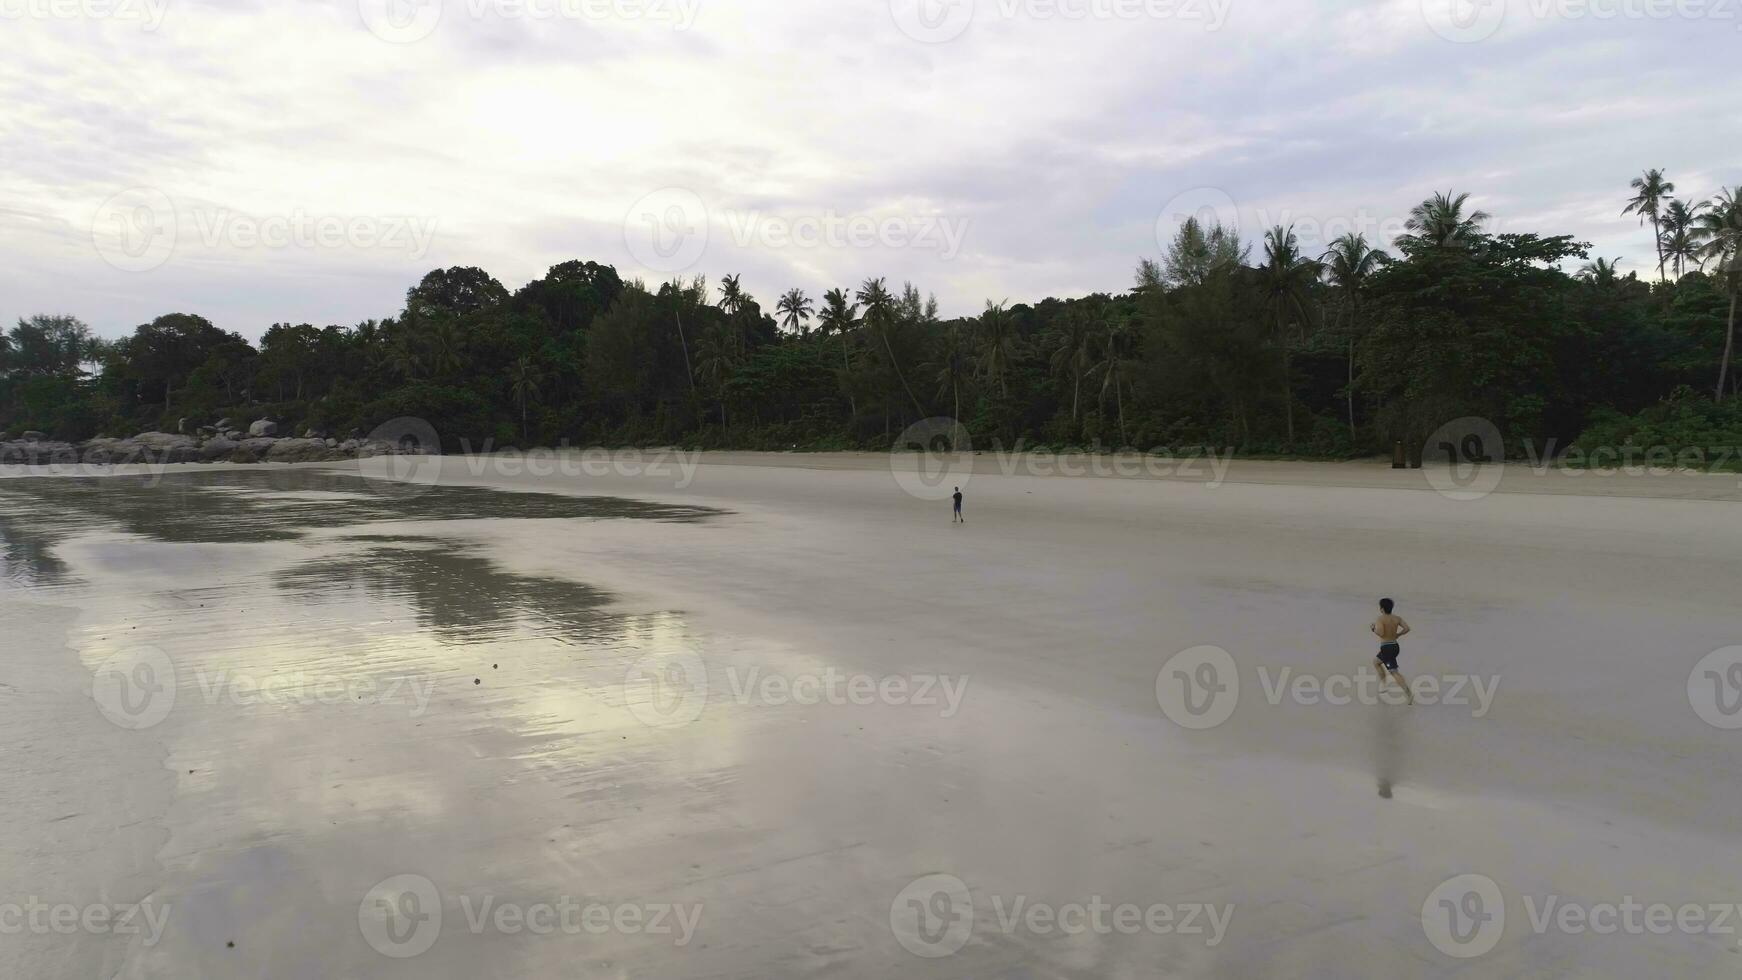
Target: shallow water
<point x="260" y="699"/>
<point x="284" y="682"/>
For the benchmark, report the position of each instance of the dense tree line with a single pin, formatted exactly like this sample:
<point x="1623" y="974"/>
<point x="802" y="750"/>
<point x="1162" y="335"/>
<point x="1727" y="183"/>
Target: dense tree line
<point x="1220" y="342"/>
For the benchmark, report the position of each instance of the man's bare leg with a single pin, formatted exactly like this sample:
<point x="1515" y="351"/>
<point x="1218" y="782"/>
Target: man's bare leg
<point x="1401" y="682"/>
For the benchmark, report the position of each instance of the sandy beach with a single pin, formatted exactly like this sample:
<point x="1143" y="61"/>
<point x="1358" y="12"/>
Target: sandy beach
<point x="775" y="716"/>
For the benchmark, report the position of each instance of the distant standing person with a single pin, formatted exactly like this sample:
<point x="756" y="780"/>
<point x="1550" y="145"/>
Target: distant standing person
<point x="1390" y="628"/>
<point x="958" y="519"/>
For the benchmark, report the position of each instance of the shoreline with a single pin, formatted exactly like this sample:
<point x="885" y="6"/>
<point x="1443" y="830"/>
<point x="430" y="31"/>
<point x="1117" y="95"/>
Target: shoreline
<point x="1213" y="471"/>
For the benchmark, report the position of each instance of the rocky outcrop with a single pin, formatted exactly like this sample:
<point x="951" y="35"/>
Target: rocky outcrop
<point x="263" y="429"/>
<point x="163" y="447"/>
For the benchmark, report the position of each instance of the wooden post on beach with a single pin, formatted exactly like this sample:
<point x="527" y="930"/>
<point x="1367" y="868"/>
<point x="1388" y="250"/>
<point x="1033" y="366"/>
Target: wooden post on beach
<point x="1398" y="462"/>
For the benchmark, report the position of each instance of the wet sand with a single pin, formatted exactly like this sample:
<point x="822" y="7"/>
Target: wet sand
<point x="532" y="690"/>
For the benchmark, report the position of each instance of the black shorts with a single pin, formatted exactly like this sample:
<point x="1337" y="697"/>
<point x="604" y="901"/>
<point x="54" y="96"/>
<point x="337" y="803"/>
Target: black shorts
<point x="1388" y="654"/>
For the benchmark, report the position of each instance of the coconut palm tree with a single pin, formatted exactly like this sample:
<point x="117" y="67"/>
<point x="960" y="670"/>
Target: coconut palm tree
<point x="1681" y="244"/>
<point x="1116" y="365"/>
<point x="1288" y="279"/>
<point x="1603" y="273"/>
<point x="1349" y="264"/>
<point x="1074" y="357"/>
<point x="1651" y="193"/>
<point x="952" y="366"/>
<point x="839" y="316"/>
<point x="998" y="345"/>
<point x="716" y="361"/>
<point x="732" y="295"/>
<point x="523" y="379"/>
<point x="1720" y="230"/>
<point x="880" y="319"/>
<point x="1440" y="220"/>
<point x="795" y="310"/>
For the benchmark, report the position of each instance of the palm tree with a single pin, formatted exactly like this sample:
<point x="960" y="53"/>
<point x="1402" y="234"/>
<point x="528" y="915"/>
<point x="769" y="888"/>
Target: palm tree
<point x="716" y="360"/>
<point x="1074" y="357"/>
<point x="1350" y="264"/>
<point x="1681" y="243"/>
<point x="795" y="310"/>
<point x="694" y="293"/>
<point x="524" y="381"/>
<point x="880" y="320"/>
<point x="1602" y="273"/>
<point x="1651" y="192"/>
<point x="1288" y="278"/>
<point x="952" y="366"/>
<point x="839" y="317"/>
<point x="1115" y="367"/>
<point x="1720" y="228"/>
<point x="999" y="343"/>
<point x="732" y="295"/>
<point x="444" y="342"/>
<point x="1440" y="220"/>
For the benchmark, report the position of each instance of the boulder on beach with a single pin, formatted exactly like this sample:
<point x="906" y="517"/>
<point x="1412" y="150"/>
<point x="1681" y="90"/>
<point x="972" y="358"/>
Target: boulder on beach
<point x="264" y="428"/>
<point x="299" y="451"/>
<point x="253" y="450"/>
<point x="165" y="441"/>
<point x="35" y="436"/>
<point x="218" y="448"/>
<point x="37" y="452"/>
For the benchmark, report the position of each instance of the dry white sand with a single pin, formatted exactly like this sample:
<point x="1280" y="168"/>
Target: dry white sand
<point x="1584" y="777"/>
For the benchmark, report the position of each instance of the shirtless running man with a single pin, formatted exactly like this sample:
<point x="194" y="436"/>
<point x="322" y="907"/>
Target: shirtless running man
<point x="1390" y="628"/>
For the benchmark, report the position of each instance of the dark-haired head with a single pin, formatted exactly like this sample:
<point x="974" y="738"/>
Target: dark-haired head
<point x="1387" y="605"/>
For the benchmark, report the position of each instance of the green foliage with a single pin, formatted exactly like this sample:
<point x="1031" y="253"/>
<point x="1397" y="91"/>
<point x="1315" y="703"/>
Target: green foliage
<point x="1332" y="356"/>
<point x="1686" y="420"/>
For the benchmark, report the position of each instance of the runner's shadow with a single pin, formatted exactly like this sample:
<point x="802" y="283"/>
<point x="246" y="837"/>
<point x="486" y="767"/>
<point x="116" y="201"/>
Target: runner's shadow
<point x="1390" y="748"/>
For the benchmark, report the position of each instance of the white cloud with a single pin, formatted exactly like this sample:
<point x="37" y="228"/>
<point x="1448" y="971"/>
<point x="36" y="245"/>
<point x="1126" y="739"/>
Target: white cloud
<point x="524" y="140"/>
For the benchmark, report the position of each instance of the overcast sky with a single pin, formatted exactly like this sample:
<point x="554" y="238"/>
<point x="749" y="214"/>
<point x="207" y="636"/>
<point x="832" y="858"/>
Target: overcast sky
<point x="257" y="161"/>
